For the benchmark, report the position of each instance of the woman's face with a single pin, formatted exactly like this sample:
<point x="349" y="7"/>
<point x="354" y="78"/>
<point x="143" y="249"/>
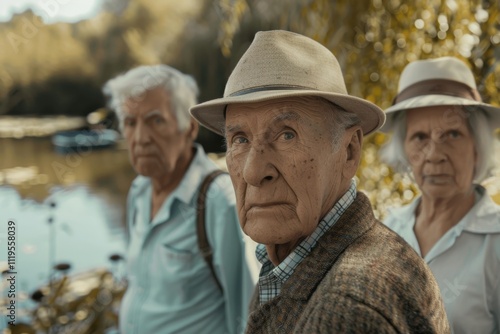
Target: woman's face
<point x="440" y="149"/>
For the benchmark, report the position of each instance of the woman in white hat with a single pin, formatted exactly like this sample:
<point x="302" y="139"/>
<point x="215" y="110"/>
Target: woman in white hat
<point x="443" y="134"/>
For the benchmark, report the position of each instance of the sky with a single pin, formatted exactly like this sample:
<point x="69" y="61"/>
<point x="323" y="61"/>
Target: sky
<point x="51" y="10"/>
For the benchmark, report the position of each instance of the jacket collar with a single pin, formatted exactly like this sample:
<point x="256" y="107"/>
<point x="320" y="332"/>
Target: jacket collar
<point x="356" y="220"/>
<point x="484" y="217"/>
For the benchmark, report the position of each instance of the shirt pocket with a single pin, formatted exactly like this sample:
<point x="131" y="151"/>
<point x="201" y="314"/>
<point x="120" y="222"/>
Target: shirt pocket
<point x="173" y="272"/>
<point x="175" y="261"/>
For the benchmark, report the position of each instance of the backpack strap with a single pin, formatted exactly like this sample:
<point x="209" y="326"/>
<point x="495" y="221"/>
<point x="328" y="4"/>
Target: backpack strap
<point x="203" y="244"/>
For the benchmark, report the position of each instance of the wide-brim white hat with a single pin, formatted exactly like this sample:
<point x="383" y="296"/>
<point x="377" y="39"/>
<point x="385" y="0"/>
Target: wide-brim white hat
<point x="445" y="81"/>
<point x="284" y="64"/>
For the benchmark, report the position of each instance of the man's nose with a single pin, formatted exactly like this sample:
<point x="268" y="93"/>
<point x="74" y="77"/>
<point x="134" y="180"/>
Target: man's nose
<point x="259" y="166"/>
<point x="142" y="133"/>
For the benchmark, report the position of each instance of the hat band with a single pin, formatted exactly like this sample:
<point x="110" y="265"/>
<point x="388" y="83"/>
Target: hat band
<point x="265" y="88"/>
<point x="438" y="87"/>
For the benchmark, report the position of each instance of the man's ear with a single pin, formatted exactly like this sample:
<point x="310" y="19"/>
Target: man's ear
<point x="353" y="143"/>
<point x="193" y="129"/>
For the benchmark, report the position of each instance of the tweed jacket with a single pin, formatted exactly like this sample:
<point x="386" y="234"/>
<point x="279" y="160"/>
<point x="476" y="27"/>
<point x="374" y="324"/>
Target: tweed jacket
<point x="360" y="278"/>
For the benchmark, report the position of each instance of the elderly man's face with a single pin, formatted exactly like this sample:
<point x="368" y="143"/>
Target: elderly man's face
<point x="154" y="141"/>
<point x="440" y="148"/>
<point x="284" y="166"/>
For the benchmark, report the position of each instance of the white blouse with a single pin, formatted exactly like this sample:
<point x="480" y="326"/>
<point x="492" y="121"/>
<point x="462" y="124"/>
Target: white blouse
<point x="465" y="262"/>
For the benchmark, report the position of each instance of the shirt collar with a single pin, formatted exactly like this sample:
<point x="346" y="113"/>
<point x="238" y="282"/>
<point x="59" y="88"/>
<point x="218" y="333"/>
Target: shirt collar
<point x="185" y="191"/>
<point x="286" y="268"/>
<point x="188" y="187"/>
<point x="484" y="217"/>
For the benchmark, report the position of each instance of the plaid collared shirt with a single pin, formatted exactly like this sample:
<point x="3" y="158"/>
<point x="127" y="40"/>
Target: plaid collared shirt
<point x="272" y="278"/>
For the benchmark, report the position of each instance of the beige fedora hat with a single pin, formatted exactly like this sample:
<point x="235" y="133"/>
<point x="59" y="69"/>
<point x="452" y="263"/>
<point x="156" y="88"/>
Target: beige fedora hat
<point x="445" y="81"/>
<point x="284" y="64"/>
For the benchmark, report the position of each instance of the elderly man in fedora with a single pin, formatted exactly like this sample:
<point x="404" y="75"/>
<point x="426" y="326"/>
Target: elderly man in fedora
<point x="294" y="140"/>
<point x="442" y="132"/>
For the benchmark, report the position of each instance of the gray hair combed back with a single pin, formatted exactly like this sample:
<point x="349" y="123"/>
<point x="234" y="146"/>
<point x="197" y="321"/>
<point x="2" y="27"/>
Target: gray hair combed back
<point x="180" y="87"/>
<point x="393" y="152"/>
<point x="342" y="120"/>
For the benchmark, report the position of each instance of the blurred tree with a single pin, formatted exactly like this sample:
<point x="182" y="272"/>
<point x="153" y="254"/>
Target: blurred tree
<point x="199" y="54"/>
<point x="33" y="52"/>
<point x="68" y="96"/>
<point x="145" y="32"/>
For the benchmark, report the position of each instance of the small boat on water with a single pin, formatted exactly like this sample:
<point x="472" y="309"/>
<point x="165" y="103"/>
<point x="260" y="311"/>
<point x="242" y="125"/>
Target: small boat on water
<point x="84" y="140"/>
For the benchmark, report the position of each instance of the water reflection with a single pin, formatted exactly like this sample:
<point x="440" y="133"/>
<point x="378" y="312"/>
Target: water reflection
<point x="78" y="230"/>
<point x="35" y="168"/>
<point x="89" y="191"/>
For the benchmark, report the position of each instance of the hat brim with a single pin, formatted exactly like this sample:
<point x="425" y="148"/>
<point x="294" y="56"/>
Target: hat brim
<point x="211" y="113"/>
<point x="434" y="101"/>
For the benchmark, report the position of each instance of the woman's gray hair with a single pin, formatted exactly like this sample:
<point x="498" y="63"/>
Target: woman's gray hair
<point x="181" y="89"/>
<point x="393" y="153"/>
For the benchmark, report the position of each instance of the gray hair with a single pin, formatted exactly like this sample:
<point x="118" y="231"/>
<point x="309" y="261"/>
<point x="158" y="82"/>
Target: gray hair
<point x="181" y="88"/>
<point x="341" y="120"/>
<point x="393" y="153"/>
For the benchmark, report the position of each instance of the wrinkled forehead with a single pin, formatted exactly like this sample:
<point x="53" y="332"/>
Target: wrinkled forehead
<point x="438" y="117"/>
<point x="294" y="109"/>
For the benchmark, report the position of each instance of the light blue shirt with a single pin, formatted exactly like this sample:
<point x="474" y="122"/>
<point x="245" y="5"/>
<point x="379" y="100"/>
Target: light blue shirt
<point x="465" y="262"/>
<point x="171" y="288"/>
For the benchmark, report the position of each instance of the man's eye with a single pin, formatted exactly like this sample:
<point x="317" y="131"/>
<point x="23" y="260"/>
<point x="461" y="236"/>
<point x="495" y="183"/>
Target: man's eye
<point x="239" y="140"/>
<point x="454" y="134"/>
<point x="129" y="122"/>
<point x="288" y="135"/>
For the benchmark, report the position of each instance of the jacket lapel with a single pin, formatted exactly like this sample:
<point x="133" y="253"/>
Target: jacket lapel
<point x="357" y="219"/>
<point x="281" y="313"/>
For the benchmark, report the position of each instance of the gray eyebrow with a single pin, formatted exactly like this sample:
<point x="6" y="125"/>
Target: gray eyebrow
<point x="286" y="116"/>
<point x="233" y="128"/>
<point x="152" y="113"/>
<point x="149" y="114"/>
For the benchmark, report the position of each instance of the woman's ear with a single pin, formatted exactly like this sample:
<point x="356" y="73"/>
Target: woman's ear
<point x="353" y="139"/>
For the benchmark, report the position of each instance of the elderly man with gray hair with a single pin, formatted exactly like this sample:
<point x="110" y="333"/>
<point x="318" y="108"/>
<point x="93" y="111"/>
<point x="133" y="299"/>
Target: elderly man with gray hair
<point x="187" y="271"/>
<point x="294" y="139"/>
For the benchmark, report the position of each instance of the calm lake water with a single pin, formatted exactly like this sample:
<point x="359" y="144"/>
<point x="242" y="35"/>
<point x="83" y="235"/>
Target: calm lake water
<point x="66" y="207"/>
